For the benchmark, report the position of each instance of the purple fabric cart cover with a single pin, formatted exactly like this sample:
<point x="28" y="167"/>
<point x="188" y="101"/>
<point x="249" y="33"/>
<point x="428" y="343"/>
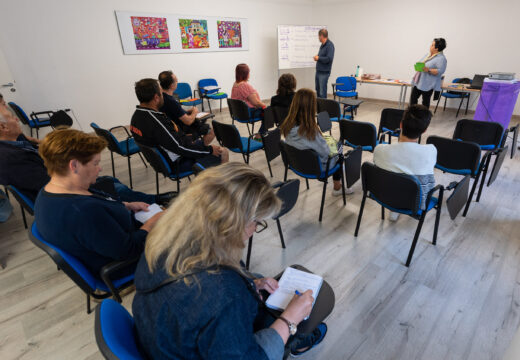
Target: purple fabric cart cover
<point x="497" y="102"/>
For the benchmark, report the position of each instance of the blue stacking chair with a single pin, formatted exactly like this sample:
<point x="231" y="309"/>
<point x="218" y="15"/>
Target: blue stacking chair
<point x="240" y="112"/>
<point x="161" y="165"/>
<point x="26" y="204"/>
<point x="345" y="87"/>
<point x="399" y="193"/>
<point x="455" y="95"/>
<point x="115" y="332"/>
<point x="97" y="286"/>
<point x="34" y="122"/>
<point x="306" y="163"/>
<point x="185" y="95"/>
<point x="125" y="148"/>
<point x="229" y="137"/>
<point x="389" y="124"/>
<point x="212" y="94"/>
<point x="331" y="107"/>
<point x="358" y="134"/>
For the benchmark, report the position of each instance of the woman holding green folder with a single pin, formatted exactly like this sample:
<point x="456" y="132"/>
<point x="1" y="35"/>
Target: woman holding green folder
<point x="429" y="73"/>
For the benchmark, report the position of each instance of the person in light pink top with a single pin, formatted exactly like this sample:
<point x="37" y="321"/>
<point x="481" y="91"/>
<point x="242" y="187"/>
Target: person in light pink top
<point x="243" y="90"/>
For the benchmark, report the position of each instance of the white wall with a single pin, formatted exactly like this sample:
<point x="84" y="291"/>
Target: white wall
<point x="66" y="53"/>
<point x="388" y="37"/>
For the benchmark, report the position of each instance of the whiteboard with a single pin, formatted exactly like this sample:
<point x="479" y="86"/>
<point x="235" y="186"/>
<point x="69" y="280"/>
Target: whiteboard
<point x="297" y="46"/>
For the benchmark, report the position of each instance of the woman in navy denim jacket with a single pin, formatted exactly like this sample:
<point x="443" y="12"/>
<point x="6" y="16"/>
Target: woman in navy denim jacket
<point x="193" y="299"/>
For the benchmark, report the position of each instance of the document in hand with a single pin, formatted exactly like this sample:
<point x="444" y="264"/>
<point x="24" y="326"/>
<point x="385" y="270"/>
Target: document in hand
<point x="201" y="115"/>
<point x="144" y="216"/>
<point x="292" y="280"/>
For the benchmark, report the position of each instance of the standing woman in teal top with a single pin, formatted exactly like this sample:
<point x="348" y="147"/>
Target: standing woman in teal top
<point x="429" y="80"/>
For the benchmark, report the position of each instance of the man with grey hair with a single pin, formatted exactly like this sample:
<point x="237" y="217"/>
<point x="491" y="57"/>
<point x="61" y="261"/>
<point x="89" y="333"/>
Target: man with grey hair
<point x="323" y="63"/>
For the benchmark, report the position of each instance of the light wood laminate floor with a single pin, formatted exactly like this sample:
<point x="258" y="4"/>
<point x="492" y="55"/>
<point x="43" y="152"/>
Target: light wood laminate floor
<point x="458" y="300"/>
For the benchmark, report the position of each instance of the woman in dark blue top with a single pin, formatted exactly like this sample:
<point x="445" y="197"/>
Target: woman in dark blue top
<point x="193" y="299"/>
<point x="88" y="224"/>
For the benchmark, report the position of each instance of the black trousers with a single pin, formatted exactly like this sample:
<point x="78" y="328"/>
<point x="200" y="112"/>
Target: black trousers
<point x="426" y="96"/>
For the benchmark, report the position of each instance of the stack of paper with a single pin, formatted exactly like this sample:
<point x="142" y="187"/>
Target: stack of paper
<point x="144" y="216"/>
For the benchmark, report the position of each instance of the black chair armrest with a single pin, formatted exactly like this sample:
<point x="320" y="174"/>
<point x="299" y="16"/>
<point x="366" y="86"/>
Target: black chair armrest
<point x="109" y="269"/>
<point x="336" y="84"/>
<point x="451" y="186"/>
<point x="34" y="115"/>
<point x="277" y="184"/>
<point x="197" y="91"/>
<point x="122" y="127"/>
<point x="439" y="188"/>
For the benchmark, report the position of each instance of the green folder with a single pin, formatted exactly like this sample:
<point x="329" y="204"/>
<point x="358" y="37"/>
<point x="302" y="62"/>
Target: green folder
<point x="419" y="66"/>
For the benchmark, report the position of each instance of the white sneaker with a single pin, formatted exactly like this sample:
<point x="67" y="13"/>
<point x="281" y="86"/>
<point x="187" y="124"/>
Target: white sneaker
<point x="338" y="192"/>
<point x="393" y="216"/>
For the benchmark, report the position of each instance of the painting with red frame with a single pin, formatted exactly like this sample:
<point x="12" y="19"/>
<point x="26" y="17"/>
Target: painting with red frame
<point x="150" y="33"/>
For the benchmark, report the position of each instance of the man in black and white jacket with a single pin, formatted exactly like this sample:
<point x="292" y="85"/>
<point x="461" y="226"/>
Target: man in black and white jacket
<point x="153" y="128"/>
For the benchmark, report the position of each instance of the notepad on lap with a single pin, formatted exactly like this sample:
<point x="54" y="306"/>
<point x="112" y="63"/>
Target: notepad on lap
<point x="201" y="115"/>
<point x="144" y="216"/>
<point x="292" y="280"/>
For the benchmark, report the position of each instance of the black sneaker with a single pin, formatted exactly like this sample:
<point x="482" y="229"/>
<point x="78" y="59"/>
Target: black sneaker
<point x="311" y="340"/>
<point x="165" y="198"/>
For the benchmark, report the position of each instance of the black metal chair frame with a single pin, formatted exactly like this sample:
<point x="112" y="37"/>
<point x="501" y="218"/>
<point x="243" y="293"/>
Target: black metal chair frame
<point x="464" y="95"/>
<point x="24" y="206"/>
<point x="310" y="159"/>
<point x="409" y="182"/>
<point x="113" y="147"/>
<point x="387" y="121"/>
<point x="33" y="116"/>
<point x="106" y="272"/>
<point x="157" y="163"/>
<point x="203" y="95"/>
<point x="239" y="111"/>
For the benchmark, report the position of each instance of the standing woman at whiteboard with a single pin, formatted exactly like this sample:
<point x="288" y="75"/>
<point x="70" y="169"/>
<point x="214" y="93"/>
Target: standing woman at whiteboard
<point x="429" y="79"/>
<point x="323" y="63"/>
<point x="243" y="90"/>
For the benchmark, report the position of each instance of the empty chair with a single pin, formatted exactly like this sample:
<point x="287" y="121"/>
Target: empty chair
<point x="357" y="133"/>
<point x="287" y="192"/>
<point x="240" y="112"/>
<point x="455" y="95"/>
<point x="209" y="90"/>
<point x="460" y="158"/>
<point x="26" y="204"/>
<point x="345" y="87"/>
<point x="390" y="124"/>
<point x="159" y="163"/>
<point x="271" y="142"/>
<point x="399" y="193"/>
<point x="115" y="333"/>
<point x="125" y="148"/>
<point x="488" y="135"/>
<point x="98" y="286"/>
<point x="229" y="137"/>
<point x="35" y="122"/>
<point x="186" y="97"/>
<point x="332" y="107"/>
<point x="306" y="163"/>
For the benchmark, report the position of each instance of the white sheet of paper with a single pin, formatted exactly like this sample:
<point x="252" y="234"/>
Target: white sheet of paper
<point x="292" y="280"/>
<point x="201" y="115"/>
<point x="211" y="87"/>
<point x="144" y="216"/>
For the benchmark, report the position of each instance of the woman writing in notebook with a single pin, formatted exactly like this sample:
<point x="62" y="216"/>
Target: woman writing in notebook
<point x="194" y="300"/>
<point x="429" y="79"/>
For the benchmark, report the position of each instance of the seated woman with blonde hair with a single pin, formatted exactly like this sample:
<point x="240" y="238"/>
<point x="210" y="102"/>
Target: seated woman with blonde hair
<point x="89" y="224"/>
<point x="194" y="300"/>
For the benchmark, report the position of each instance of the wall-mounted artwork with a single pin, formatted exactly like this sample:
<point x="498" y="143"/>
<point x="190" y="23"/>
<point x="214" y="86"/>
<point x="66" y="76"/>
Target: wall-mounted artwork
<point x="194" y="33"/>
<point x="156" y="33"/>
<point x="150" y="33"/>
<point x="229" y="34"/>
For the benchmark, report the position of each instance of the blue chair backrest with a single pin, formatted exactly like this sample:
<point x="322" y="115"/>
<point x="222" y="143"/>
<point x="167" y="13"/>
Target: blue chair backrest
<point x="58" y="254"/>
<point x="114" y="330"/>
<point x="208" y="82"/>
<point x="113" y="143"/>
<point x="349" y="83"/>
<point x="184" y="91"/>
<point x="19" y="112"/>
<point x="28" y="203"/>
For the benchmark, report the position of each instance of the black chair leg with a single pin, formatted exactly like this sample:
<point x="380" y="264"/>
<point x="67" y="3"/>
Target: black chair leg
<point x="285" y="174"/>
<point x="461" y="100"/>
<point x="415" y="238"/>
<point x="343" y="186"/>
<point x="483" y="180"/>
<point x="89" y="310"/>
<point x="467" y="104"/>
<point x="129" y="172"/>
<point x="307" y="182"/>
<point x="37" y="133"/>
<point x="6" y="192"/>
<point x="209" y="105"/>
<point x="438" y="101"/>
<point x="220" y="105"/>
<point x="157" y="182"/>
<point x="144" y="162"/>
<point x="113" y="168"/>
<point x="475" y="182"/>
<point x="323" y="198"/>
<point x="248" y="258"/>
<point x="445" y="101"/>
<point x="178" y="185"/>
<point x="23" y="216"/>
<point x="437" y="218"/>
<point x="30" y="129"/>
<point x="270" y="170"/>
<point x="361" y="208"/>
<point x="280" y="232"/>
<point x="382" y="212"/>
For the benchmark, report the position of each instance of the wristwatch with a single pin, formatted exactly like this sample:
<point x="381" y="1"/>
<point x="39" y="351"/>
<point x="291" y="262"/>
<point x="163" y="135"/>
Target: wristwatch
<point x="292" y="326"/>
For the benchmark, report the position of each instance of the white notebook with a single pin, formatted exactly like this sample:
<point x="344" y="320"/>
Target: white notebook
<point x="143" y="216"/>
<point x="201" y="115"/>
<point x="292" y="280"/>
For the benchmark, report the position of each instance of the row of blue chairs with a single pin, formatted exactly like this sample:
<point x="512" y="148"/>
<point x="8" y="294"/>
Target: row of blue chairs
<point x="206" y="89"/>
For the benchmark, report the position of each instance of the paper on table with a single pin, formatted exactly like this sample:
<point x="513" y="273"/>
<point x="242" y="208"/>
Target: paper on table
<point x="144" y="216"/>
<point x="201" y="115"/>
<point x="292" y="280"/>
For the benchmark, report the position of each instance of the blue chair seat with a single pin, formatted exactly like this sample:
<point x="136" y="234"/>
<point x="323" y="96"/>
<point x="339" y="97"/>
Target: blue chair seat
<point x="364" y="148"/>
<point x="191" y="103"/>
<point x="346" y="93"/>
<point x="132" y="147"/>
<point x="392" y="132"/>
<point x="454" y="96"/>
<point x="346" y="117"/>
<point x="181" y="175"/>
<point x="254" y="146"/>
<point x="217" y="96"/>
<point x="322" y="175"/>
<point x="456" y="171"/>
<point x="433" y="202"/>
<point x="41" y="122"/>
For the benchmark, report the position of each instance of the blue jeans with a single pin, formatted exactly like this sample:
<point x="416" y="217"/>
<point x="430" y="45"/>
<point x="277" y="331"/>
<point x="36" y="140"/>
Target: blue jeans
<point x="124" y="193"/>
<point x="322" y="78"/>
<point x="5" y="207"/>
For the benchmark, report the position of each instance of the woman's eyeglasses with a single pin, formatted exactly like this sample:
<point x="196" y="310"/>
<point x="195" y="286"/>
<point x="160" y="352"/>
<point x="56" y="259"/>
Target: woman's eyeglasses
<point x="260" y="226"/>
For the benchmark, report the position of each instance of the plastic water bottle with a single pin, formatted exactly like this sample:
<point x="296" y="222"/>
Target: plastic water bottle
<point x="357" y="71"/>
